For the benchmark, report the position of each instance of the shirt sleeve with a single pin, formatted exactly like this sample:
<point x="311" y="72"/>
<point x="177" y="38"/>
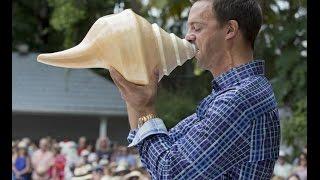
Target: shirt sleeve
<point x="151" y="127"/>
<point x="212" y="145"/>
<point x="175" y="133"/>
<point x="131" y="135"/>
<point x="182" y="127"/>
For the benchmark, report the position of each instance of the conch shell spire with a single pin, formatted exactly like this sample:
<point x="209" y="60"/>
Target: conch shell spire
<point x="130" y="44"/>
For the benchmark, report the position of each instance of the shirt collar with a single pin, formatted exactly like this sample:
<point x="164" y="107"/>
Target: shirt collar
<point x="236" y="74"/>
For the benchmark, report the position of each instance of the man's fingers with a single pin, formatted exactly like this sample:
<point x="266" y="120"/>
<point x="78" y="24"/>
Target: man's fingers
<point x="120" y="87"/>
<point x="122" y="82"/>
<point x="155" y="76"/>
<point x="114" y="73"/>
<point x="118" y="84"/>
<point x="116" y="76"/>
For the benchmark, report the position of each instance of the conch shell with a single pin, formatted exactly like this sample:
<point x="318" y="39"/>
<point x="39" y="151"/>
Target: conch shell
<point x="130" y="44"/>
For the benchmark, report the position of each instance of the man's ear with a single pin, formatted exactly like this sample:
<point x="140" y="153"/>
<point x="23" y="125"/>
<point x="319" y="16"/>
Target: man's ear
<point x="232" y="28"/>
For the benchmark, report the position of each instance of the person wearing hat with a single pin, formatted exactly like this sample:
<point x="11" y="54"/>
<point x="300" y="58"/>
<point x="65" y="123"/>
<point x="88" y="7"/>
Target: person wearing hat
<point x="121" y="169"/>
<point x="282" y="168"/>
<point x="83" y="172"/>
<point x="84" y="157"/>
<point x="107" y="172"/>
<point x="133" y="175"/>
<point x="21" y="166"/>
<point x="93" y="158"/>
<point x="97" y="172"/>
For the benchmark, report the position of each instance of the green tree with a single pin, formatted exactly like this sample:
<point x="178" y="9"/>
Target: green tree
<point x="30" y="25"/>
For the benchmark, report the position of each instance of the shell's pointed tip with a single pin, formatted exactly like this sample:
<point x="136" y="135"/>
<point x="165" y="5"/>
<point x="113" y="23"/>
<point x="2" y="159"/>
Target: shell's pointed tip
<point x="40" y="57"/>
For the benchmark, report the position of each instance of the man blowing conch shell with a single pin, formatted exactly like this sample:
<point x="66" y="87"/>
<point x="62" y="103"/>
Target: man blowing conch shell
<point x="235" y="131"/>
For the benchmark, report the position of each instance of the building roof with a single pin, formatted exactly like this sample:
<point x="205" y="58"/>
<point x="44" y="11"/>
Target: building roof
<point x="40" y="88"/>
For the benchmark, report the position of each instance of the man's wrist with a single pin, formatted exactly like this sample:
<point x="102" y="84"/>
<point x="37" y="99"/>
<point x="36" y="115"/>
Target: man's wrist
<point x="134" y="114"/>
<point x="145" y="115"/>
<point x="146" y="111"/>
<point x="145" y="118"/>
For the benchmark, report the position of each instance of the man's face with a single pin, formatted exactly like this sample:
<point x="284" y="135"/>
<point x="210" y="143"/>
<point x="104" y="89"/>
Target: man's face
<point x="103" y="143"/>
<point x="281" y="160"/>
<point x="82" y="142"/>
<point x="205" y="32"/>
<point x="303" y="160"/>
<point x="43" y="144"/>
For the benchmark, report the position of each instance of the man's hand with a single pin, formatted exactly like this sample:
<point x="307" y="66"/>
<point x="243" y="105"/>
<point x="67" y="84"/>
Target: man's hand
<point x="140" y="99"/>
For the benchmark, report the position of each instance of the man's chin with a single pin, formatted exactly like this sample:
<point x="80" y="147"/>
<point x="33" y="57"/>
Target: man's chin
<point x="198" y="63"/>
<point x="198" y="59"/>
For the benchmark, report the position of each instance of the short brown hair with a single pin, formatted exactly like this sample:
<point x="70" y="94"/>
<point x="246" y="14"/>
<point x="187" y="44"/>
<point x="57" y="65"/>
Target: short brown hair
<point x="247" y="13"/>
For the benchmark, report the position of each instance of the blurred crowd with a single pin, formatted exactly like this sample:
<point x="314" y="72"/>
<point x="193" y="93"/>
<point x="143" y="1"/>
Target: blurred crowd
<point x="295" y="170"/>
<point x="52" y="160"/>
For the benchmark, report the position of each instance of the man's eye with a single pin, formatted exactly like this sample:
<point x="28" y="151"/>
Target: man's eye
<point x="197" y="29"/>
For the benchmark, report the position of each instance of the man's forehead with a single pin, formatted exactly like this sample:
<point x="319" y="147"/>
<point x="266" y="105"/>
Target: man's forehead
<point x="200" y="11"/>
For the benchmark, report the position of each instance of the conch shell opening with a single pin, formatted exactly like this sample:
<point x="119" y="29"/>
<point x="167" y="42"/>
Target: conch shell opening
<point x="130" y="44"/>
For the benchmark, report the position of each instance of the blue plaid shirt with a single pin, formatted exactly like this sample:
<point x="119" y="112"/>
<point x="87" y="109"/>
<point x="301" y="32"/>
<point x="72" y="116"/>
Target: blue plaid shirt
<point x="234" y="133"/>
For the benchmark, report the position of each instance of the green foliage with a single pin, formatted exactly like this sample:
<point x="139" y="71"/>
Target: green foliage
<point x="172" y="106"/>
<point x="30" y="25"/>
<point x="179" y="100"/>
<point x="65" y="15"/>
<point x="282" y="41"/>
<point x="294" y="130"/>
<point x="296" y="133"/>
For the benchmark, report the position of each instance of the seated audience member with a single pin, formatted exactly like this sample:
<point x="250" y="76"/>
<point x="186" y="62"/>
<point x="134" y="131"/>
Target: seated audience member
<point x="59" y="164"/>
<point x="294" y="177"/>
<point x="301" y="169"/>
<point x="282" y="168"/>
<point x="42" y="161"/>
<point x="21" y="163"/>
<point x="82" y="144"/>
<point x="102" y="148"/>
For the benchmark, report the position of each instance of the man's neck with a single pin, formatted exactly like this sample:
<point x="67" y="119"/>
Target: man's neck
<point x="232" y="59"/>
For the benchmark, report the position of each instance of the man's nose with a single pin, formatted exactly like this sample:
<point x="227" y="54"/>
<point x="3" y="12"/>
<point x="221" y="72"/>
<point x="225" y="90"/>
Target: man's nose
<point x="190" y="37"/>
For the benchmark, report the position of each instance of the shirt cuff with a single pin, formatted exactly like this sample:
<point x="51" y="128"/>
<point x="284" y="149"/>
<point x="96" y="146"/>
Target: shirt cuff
<point x="151" y="127"/>
<point x="131" y="135"/>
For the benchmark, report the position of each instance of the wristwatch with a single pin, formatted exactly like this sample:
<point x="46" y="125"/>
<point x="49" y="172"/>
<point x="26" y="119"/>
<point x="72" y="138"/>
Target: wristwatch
<point x="145" y="118"/>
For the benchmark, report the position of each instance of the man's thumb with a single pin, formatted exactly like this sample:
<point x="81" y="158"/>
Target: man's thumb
<point x="156" y="75"/>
